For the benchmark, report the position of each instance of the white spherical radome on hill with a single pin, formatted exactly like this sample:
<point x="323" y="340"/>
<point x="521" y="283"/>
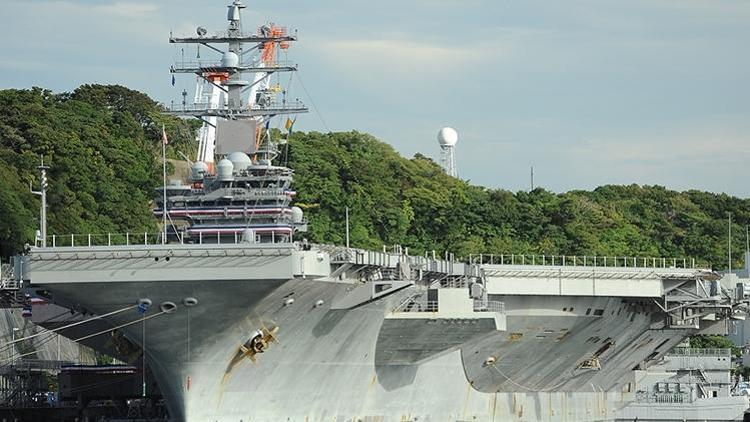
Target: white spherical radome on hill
<point x="447" y="137"/>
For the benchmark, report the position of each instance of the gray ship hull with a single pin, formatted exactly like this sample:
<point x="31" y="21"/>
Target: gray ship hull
<point x="327" y="363"/>
<point x="555" y="357"/>
<point x="323" y="367"/>
<point x="544" y="347"/>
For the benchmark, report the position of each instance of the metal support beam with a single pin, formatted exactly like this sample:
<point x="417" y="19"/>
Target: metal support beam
<point x="224" y="39"/>
<point x="204" y="68"/>
<point x="232" y="114"/>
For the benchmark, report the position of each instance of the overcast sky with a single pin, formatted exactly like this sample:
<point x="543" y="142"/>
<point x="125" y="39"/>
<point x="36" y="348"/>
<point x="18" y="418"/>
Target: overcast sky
<point x="589" y="92"/>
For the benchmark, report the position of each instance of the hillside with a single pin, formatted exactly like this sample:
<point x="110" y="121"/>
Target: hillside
<point x="395" y="200"/>
<point x="103" y="145"/>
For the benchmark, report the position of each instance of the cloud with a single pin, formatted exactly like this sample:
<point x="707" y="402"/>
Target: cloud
<point x="389" y="54"/>
<point x="726" y="8"/>
<point x="121" y="9"/>
<point x="588" y="91"/>
<point x="126" y="9"/>
<point x="399" y="69"/>
<point x="688" y="146"/>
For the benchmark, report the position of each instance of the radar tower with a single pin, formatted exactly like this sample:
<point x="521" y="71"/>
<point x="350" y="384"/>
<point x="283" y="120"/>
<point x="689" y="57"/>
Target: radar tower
<point x="447" y="138"/>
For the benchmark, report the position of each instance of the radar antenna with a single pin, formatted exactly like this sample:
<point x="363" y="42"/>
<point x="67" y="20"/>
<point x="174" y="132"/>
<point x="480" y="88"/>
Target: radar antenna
<point x="224" y="93"/>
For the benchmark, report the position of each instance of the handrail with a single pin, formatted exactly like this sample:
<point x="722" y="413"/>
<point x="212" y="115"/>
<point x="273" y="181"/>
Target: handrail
<point x="217" y="64"/>
<point x="137" y="239"/>
<point x="489" y="306"/>
<point x="417" y="303"/>
<point x="273" y="105"/>
<point x="688" y="351"/>
<point x="342" y="254"/>
<point x="226" y="34"/>
<point x="582" y="261"/>
<point x="666" y="397"/>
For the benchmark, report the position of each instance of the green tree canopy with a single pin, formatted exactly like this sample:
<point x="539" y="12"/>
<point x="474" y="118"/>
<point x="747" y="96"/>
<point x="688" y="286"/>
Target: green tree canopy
<point x="412" y="202"/>
<point x="103" y="146"/>
<point x="102" y="142"/>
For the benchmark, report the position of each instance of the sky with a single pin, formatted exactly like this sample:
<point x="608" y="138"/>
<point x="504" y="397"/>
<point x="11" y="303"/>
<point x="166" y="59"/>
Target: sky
<point x="588" y="92"/>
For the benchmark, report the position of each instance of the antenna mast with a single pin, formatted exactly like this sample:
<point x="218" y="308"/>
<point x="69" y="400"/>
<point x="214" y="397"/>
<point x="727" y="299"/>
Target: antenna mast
<point x="43" y="206"/>
<point x="242" y="53"/>
<point x="730" y="242"/>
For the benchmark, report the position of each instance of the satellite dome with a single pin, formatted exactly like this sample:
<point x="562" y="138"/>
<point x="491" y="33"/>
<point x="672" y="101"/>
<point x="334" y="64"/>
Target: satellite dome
<point x="239" y="160"/>
<point x="297" y="215"/>
<point x="225" y="170"/>
<point x="230" y="59"/>
<point x="248" y="236"/>
<point x="447" y="137"/>
<point x="198" y="170"/>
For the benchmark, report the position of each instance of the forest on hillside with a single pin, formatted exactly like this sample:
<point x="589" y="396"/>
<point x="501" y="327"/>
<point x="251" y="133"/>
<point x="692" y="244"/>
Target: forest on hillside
<point x="103" y="145"/>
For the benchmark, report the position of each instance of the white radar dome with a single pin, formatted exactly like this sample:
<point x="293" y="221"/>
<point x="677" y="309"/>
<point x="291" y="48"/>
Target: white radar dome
<point x="230" y="59"/>
<point x="225" y="170"/>
<point x="297" y="215"/>
<point x="239" y="160"/>
<point x="447" y="137"/>
<point x="248" y="236"/>
<point x="198" y="170"/>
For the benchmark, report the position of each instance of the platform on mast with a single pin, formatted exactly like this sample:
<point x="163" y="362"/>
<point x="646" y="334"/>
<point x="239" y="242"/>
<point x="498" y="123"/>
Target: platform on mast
<point x="226" y="38"/>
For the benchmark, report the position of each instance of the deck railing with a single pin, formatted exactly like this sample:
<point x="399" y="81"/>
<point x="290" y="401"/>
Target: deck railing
<point x="699" y="352"/>
<point x="216" y="64"/>
<point x="489" y="306"/>
<point x="272" y="105"/>
<point x="582" y="261"/>
<point x="108" y="239"/>
<point x="138" y="239"/>
<point x="389" y="258"/>
<point x="665" y="398"/>
<point x="417" y="304"/>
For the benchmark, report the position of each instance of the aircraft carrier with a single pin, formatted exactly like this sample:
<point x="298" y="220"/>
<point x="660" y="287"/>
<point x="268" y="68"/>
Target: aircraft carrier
<point x="240" y="319"/>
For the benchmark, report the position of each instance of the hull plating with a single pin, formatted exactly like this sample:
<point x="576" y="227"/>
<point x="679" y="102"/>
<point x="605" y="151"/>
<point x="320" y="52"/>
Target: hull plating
<point x="325" y="363"/>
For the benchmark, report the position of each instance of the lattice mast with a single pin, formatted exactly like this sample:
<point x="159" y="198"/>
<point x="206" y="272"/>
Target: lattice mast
<point x="239" y="86"/>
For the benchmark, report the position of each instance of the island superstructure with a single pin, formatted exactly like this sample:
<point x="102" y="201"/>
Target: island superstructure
<point x="244" y="192"/>
<point x="239" y="321"/>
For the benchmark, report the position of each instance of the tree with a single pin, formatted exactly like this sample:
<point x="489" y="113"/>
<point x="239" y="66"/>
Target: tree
<point x="714" y="342"/>
<point x="102" y="142"/>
